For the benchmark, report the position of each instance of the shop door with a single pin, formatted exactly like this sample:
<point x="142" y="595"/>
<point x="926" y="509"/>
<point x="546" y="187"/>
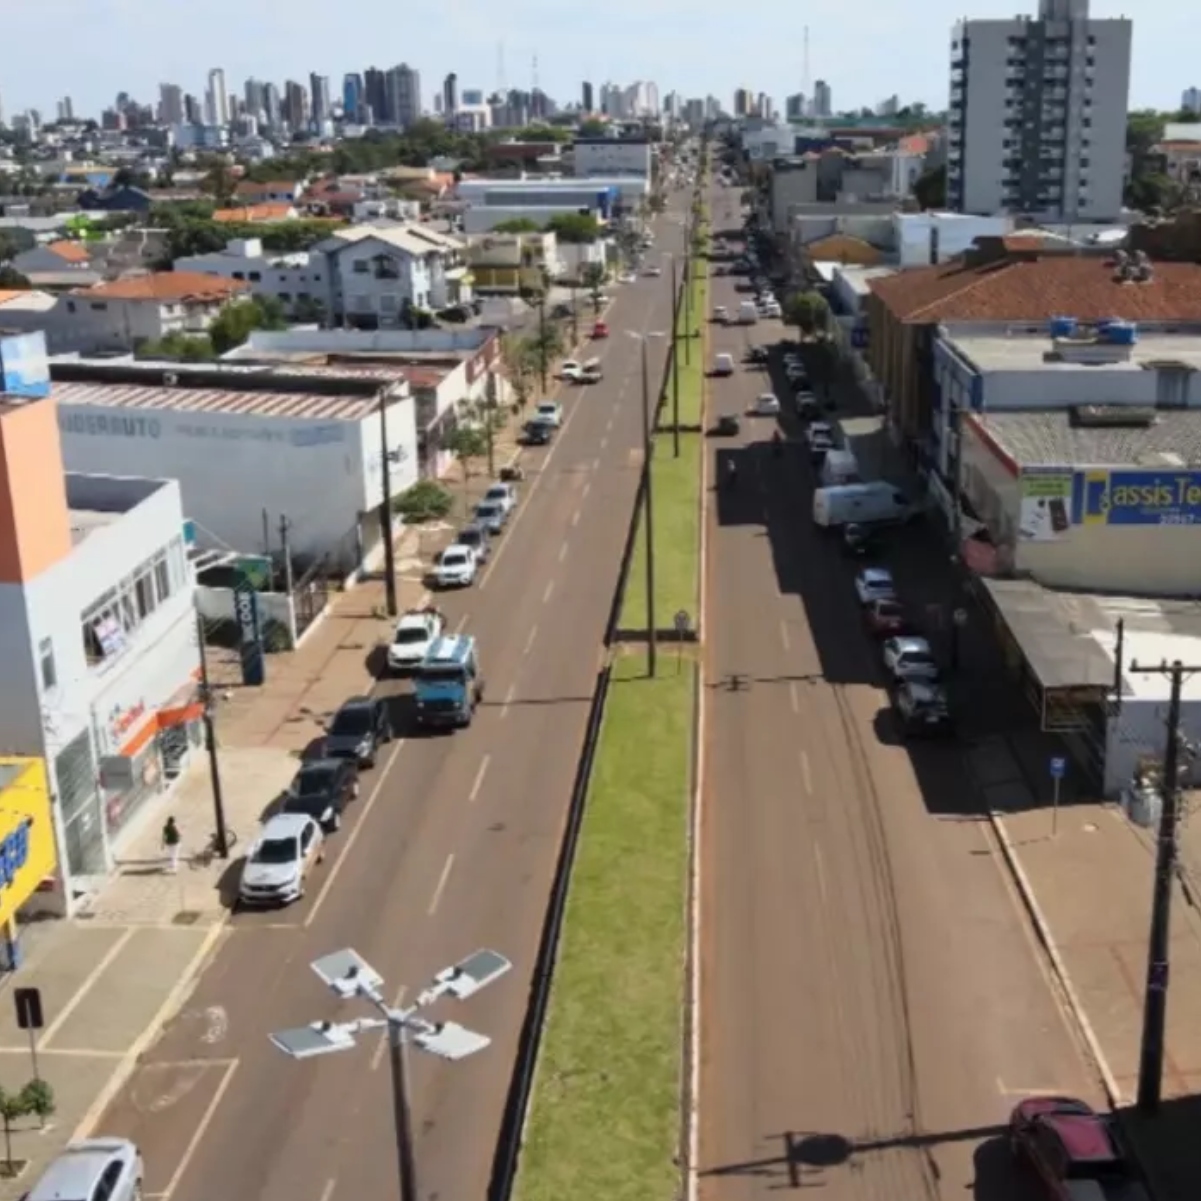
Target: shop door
<point x="83" y="822"/>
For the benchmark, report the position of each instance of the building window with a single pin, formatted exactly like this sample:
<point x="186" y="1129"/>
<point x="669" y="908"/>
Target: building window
<point x="256" y="277"/>
<point x="360" y="267"/>
<point x="162" y="577"/>
<point x="143" y="588"/>
<point x="46" y="662"/>
<point x="239" y="275"/>
<point x="285" y="297"/>
<point x="98" y="306"/>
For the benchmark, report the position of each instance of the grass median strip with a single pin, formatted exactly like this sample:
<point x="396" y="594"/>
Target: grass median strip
<point x="691" y="366"/>
<point x="605" y="1115"/>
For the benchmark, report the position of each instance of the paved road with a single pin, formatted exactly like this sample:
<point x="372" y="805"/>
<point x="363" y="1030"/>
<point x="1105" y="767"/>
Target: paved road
<point x="451" y="847"/>
<point x="872" y="1000"/>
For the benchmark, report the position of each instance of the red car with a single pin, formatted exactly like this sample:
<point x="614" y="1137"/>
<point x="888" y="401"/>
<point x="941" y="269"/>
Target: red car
<point x="600" y="330"/>
<point x="885" y="618"/>
<point x="1065" y="1141"/>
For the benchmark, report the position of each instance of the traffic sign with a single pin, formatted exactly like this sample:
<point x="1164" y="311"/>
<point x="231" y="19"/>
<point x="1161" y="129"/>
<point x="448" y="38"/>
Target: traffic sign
<point x="1059" y="767"/>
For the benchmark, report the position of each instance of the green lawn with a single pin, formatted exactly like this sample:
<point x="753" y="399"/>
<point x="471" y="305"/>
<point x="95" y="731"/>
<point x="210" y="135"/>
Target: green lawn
<point x="692" y="373"/>
<point x="604" y="1121"/>
<point x="676" y="488"/>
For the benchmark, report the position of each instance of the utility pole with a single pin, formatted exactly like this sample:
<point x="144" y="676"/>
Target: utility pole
<point x="675" y="363"/>
<point x="648" y="515"/>
<point x="542" y="339"/>
<point x="490" y="422"/>
<point x="220" y="837"/>
<point x="385" y="508"/>
<point x="1155" y="998"/>
<point x="688" y="294"/>
<point x="575" y="317"/>
<point x="285" y="550"/>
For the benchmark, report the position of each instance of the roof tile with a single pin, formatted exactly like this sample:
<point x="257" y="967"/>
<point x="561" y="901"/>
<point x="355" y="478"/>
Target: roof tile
<point x="70" y="252"/>
<point x="252" y="213"/>
<point x="170" y="286"/>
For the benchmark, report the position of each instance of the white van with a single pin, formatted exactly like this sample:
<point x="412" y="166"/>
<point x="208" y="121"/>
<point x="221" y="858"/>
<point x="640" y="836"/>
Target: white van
<point x="748" y="314"/>
<point x="723" y="364"/>
<point x="878" y="501"/>
<point x="840" y="467"/>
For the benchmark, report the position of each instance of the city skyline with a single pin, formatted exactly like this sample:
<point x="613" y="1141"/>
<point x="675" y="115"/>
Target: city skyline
<point x="135" y="50"/>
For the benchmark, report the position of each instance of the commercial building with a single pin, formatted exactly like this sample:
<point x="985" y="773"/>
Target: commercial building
<point x="28" y="846"/>
<point x="98" y="638"/>
<point x="602" y="157"/>
<point x="1037" y="114"/>
<point x="508" y="263"/>
<point x="605" y="196"/>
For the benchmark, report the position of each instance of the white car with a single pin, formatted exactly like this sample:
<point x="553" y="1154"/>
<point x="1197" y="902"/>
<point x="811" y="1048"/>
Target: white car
<point x="909" y="658"/>
<point x="504" y="495"/>
<point x="874" y="584"/>
<point x="794" y="373"/>
<point x="550" y="412"/>
<point x="457" y="566"/>
<point x="626" y="277"/>
<point x="773" y="311"/>
<point x="655" y="272"/>
<point x="414" y="633"/>
<point x="569" y="370"/>
<point x="767" y="405"/>
<point x="278" y="864"/>
<point x="94" y="1167"/>
<point x="819" y="433"/>
<point x="721" y="314"/>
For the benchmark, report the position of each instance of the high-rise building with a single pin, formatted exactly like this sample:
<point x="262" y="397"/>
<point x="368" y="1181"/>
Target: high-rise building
<point x="319" y="90"/>
<point x="352" y="97"/>
<point x="743" y="102"/>
<point x="1190" y="101"/>
<point x="586" y="97"/>
<point x="253" y="98"/>
<point x="217" y="99"/>
<point x="472" y="98"/>
<point x="1037" y="115"/>
<point x="450" y="96"/>
<point x="375" y="92"/>
<point x="295" y="111"/>
<point x="170" y="104"/>
<point x="403" y="95"/>
<point x="272" y="106"/>
<point x="794" y="107"/>
<point x="66" y="109"/>
<point x="822" y="99"/>
<point x="193" y="112"/>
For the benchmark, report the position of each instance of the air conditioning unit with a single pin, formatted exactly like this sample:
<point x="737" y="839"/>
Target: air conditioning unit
<point x="170" y="379"/>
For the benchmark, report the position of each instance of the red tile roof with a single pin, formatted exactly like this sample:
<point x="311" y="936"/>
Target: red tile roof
<point x="70" y="252"/>
<point x="171" y="287"/>
<point x="249" y="188"/>
<point x="1034" y="287"/>
<point x="252" y="213"/>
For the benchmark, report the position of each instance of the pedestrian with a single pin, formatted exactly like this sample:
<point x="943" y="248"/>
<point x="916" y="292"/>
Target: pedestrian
<point x="171" y="839"/>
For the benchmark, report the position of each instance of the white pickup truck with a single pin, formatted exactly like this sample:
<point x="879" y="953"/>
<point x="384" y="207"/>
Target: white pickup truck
<point x="414" y="633"/>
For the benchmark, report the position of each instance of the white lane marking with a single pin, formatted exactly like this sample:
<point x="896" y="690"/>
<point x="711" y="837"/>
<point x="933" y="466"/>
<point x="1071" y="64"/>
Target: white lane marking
<point x="575" y="518"/>
<point x="82" y="991"/>
<point x="596" y="464"/>
<point x="348" y="845"/>
<point x="550" y="587"/>
<point x="604" y="442"/>
<point x="609" y="426"/>
<point x="586" y="489"/>
<point x="504" y="712"/>
<point x="1005" y="1091"/>
<point x="794" y="698"/>
<point x="806" y="776"/>
<point x="784" y="636"/>
<point x="480" y="773"/>
<point x="328" y="1191"/>
<point x="206" y="1120"/>
<point x="529" y="642"/>
<point x="820" y="865"/>
<point x="563" y="550"/>
<point x="441" y="887"/>
<point x="460" y="624"/>
<point x="377" y="1056"/>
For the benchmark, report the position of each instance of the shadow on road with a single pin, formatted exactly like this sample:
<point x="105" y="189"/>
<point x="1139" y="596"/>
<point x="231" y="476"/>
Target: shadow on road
<point x="1167" y="1146"/>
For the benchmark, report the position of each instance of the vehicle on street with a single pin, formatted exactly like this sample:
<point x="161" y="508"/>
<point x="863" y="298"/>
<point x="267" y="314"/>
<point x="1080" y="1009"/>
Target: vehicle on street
<point x="359" y="728"/>
<point x="748" y="314"/>
<point x="757" y="355"/>
<point x="448" y="685"/>
<point x="910" y="658"/>
<point x="858" y="540"/>
<point x="766" y="405"/>
<point x="795" y="373"/>
<point x="591" y="372"/>
<point x="772" y="310"/>
<point x="492" y="516"/>
<point x="569" y="369"/>
<point x="921" y="710"/>
<point x="727" y="426"/>
<point x="107" y="1168"/>
<point x="821" y="441"/>
<point x="278" y="864"/>
<point x="322" y="789"/>
<point x="806" y="405"/>
<point x="876" y="502"/>
<point x="723" y="364"/>
<point x="653" y="272"/>
<point x="411" y="638"/>
<point x="885" y="617"/>
<point x="873" y="584"/>
<point x="721" y="314"/>
<point x="477" y="539"/>
<point x="600" y="329"/>
<point x="551" y="412"/>
<point x="502" y="494"/>
<point x="840" y="468"/>
<point x="456" y="568"/>
<point x="626" y="277"/>
<point x="537" y="433"/>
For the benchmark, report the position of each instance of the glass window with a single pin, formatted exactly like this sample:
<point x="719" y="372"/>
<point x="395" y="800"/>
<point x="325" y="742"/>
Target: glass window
<point x="361" y="267"/>
<point x="143" y="588"/>
<point x="162" y="577"/>
<point x="46" y="659"/>
<point x="128" y="611"/>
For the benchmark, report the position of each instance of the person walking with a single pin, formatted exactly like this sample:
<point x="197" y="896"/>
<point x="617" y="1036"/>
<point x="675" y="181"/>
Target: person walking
<point x="171" y="840"/>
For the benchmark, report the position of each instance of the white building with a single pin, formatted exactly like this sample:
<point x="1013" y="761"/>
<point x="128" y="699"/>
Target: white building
<point x="295" y="442"/>
<point x="98" y="638"/>
<point x="602" y="194"/>
<point x="922" y="239"/>
<point x="601" y="157"/>
<point x="1037" y="116"/>
<point x="296" y="280"/>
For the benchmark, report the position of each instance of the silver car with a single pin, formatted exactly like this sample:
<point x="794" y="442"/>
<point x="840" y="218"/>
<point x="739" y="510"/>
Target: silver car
<point x="91" y="1170"/>
<point x="278" y="864"/>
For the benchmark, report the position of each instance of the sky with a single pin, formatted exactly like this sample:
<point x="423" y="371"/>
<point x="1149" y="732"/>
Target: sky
<point x="867" y="50"/>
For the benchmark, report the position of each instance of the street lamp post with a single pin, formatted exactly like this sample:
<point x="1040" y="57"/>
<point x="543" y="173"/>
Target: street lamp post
<point x="348" y="974"/>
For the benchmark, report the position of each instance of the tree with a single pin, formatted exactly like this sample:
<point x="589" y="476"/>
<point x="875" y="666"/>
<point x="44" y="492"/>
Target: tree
<point x="517" y="225"/>
<point x="575" y="228"/>
<point x="238" y="320"/>
<point x="37" y="1097"/>
<point x="467" y="442"/>
<point x="520" y="358"/>
<point x="219" y="182"/>
<point x="930" y="188"/>
<point x="178" y="348"/>
<point x="808" y="311"/>
<point x="8" y="247"/>
<point x="39" y="1100"/>
<point x="486" y="416"/>
<point x="12" y="280"/>
<point x="592" y="128"/>
<point x="593" y="278"/>
<point x="308" y="311"/>
<point x="426" y="500"/>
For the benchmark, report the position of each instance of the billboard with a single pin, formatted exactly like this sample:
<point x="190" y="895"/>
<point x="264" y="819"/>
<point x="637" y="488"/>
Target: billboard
<point x="1165" y="497"/>
<point x="24" y="366"/>
<point x="27" y="846"/>
<point x="1045" y="500"/>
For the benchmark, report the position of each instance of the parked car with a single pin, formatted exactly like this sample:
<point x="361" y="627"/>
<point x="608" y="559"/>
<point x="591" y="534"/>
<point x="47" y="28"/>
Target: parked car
<point x="412" y="636"/>
<point x="504" y="495"/>
<point x="721" y="314"/>
<point x="551" y="412"/>
<point x="885" y="617"/>
<point x="626" y="277"/>
<point x="109" y="1168"/>
<point x="859" y="540"/>
<point x="278" y="863"/>
<point x="457" y="567"/>
<point x="475" y="537"/>
<point x="359" y="728"/>
<point x="727" y="426"/>
<point x="921" y="710"/>
<point x="806" y="405"/>
<point x="757" y="355"/>
<point x="873" y="584"/>
<point x="766" y="405"/>
<point x="321" y="790"/>
<point x="600" y="329"/>
<point x="492" y="516"/>
<point x="910" y="658"/>
<point x="537" y="433"/>
<point x="569" y="369"/>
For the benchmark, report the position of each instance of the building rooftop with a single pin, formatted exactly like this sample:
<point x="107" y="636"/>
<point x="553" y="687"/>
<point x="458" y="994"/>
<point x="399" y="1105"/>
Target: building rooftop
<point x="88" y="521"/>
<point x="171" y="287"/>
<point x="70" y="252"/>
<point x="252" y="213"/>
<point x="1027" y="348"/>
<point x="995" y="282"/>
<point x="1052" y="438"/>
<point x="859" y="279"/>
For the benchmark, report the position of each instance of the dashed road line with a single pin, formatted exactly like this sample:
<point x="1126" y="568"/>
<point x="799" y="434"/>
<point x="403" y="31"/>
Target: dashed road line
<point x="784" y="636"/>
<point x="441" y="885"/>
<point x="480" y="773"/>
<point x="529" y="642"/>
<point x="575" y="518"/>
<point x="794" y="698"/>
<point x="548" y="592"/>
<point x="504" y="711"/>
<point x="806" y="775"/>
<point x="563" y="550"/>
<point x="820" y="867"/>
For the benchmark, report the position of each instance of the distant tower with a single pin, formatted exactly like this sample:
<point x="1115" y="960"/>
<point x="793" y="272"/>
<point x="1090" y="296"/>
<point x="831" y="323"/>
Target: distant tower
<point x="805" y="91"/>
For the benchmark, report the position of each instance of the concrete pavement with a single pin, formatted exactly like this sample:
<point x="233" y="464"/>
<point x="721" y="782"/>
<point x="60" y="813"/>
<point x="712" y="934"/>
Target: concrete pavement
<point x="451" y="846"/>
<point x="872" y="998"/>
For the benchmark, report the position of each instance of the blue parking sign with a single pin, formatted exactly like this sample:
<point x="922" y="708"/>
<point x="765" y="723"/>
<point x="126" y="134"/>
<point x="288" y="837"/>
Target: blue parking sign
<point x="1059" y="768"/>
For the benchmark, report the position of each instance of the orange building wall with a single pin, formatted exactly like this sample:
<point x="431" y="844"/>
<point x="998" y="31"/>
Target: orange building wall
<point x="35" y="526"/>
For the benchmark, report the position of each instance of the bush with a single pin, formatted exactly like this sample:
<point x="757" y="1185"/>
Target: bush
<point x="426" y="500"/>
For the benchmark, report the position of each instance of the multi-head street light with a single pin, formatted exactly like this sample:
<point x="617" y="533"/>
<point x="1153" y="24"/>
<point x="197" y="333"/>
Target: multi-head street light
<point x="347" y="974"/>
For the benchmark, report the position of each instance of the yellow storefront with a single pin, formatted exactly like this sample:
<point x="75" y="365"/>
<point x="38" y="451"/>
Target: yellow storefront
<point x="27" y="843"/>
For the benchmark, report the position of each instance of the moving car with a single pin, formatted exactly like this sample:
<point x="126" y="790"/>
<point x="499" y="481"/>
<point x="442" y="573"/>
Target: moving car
<point x="910" y="658"/>
<point x="411" y="638"/>
<point x="359" y="728"/>
<point x="551" y="412"/>
<point x="873" y="584"/>
<point x="885" y="617"/>
<point x="921" y="709"/>
<point x="321" y="790"/>
<point x="591" y="372"/>
<point x="569" y="369"/>
<point x="600" y="329"/>
<point x="456" y="568"/>
<point x="95" y="1167"/>
<point x="537" y="433"/>
<point x="757" y="355"/>
<point x="766" y="405"/>
<point x="504" y="495"/>
<point x="654" y="272"/>
<point x="723" y="364"/>
<point x="278" y="864"/>
<point x="727" y="426"/>
<point x="626" y="277"/>
<point x="491" y="515"/>
<point x="721" y="314"/>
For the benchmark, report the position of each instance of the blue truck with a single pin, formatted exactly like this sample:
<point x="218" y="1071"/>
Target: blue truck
<point x="447" y="684"/>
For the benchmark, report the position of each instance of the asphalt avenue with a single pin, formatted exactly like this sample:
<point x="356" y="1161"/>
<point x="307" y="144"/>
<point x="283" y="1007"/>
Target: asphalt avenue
<point x="872" y="1002"/>
<point x="451" y="847"/>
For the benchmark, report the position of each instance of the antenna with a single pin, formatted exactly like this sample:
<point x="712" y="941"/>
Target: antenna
<point x="805" y="66"/>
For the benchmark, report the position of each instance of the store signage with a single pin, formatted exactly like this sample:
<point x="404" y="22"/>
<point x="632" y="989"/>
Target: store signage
<point x="1138" y="497"/>
<point x="319" y="435"/>
<point x="124" y="720"/>
<point x="250" y="635"/>
<point x="109" y="425"/>
<point x="14" y="853"/>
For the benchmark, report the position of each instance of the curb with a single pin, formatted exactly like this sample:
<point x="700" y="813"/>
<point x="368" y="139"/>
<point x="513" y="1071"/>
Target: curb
<point x="1046" y="938"/>
<point x="169" y="1008"/>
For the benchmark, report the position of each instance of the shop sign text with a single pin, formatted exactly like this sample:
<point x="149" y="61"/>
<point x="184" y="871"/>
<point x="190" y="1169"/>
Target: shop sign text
<point x="1140" y="498"/>
<point x="14" y="853"/>
<point x="105" y="425"/>
<point x="124" y="720"/>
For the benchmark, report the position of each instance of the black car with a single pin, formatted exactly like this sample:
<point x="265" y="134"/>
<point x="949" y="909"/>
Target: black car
<point x="478" y="538"/>
<point x="322" y="789"/>
<point x="537" y="433"/>
<point x="727" y="426"/>
<point x="358" y="730"/>
<point x="859" y="540"/>
<point x="756" y="355"/>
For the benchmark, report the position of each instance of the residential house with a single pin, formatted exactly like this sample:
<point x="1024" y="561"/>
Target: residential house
<point x="1017" y="278"/>
<point x="256" y="214"/>
<point x="379" y="275"/>
<point x="299" y="281"/>
<point x="58" y="265"/>
<point x="278" y="192"/>
<point x="508" y="263"/>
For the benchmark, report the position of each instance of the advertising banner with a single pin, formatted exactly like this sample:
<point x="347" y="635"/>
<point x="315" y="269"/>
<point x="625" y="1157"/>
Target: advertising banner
<point x="1139" y="498"/>
<point x="1046" y="498"/>
<point x="250" y="635"/>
